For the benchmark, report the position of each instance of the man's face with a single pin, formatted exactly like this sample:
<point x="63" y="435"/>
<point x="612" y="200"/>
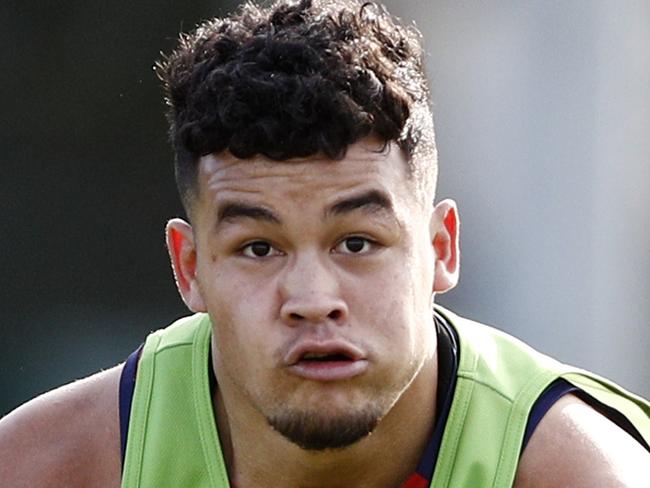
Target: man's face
<point x="318" y="277"/>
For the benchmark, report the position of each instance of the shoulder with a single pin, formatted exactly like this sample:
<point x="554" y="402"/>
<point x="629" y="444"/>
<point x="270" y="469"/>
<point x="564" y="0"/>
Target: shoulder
<point x="66" y="437"/>
<point x="576" y="446"/>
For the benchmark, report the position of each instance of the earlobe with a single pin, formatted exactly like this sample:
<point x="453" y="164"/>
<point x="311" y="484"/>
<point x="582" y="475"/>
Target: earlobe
<point x="445" y="242"/>
<point x="182" y="252"/>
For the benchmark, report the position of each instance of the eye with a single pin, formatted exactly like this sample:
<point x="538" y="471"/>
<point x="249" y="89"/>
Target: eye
<point x="259" y="249"/>
<point x="354" y="245"/>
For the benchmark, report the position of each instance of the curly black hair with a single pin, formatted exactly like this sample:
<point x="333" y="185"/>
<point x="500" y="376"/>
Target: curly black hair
<point x="297" y="78"/>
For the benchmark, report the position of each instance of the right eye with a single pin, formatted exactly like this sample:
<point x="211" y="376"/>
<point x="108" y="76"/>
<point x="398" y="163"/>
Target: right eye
<point x="259" y="249"/>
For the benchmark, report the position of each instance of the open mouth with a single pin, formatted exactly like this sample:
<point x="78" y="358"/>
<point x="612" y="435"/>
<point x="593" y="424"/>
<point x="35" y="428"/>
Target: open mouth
<point x="324" y="357"/>
<point x="326" y="360"/>
<point x="328" y="367"/>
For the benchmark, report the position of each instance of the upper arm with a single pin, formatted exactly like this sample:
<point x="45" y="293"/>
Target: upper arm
<point x="67" y="437"/>
<point x="576" y="446"/>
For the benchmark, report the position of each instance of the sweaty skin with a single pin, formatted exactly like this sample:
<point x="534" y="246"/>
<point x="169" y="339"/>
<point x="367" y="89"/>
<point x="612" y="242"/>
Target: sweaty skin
<point x="574" y="446"/>
<point x="288" y="258"/>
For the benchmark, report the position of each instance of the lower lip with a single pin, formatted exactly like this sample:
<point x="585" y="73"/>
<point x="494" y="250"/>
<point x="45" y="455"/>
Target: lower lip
<point x="328" y="370"/>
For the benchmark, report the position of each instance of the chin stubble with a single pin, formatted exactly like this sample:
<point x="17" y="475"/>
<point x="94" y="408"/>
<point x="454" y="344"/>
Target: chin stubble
<point x="315" y="432"/>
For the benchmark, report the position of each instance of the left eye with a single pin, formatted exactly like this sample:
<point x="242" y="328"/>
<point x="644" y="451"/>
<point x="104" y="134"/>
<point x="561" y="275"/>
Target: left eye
<point x="354" y="245"/>
<point x="259" y="249"/>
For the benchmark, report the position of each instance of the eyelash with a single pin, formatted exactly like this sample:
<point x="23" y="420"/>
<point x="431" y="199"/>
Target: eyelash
<point x="367" y="246"/>
<point x="250" y="245"/>
<point x="365" y="242"/>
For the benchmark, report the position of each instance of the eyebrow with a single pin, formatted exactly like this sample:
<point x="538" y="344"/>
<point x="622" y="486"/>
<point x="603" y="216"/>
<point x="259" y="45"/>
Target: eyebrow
<point x="372" y="200"/>
<point x="231" y="211"/>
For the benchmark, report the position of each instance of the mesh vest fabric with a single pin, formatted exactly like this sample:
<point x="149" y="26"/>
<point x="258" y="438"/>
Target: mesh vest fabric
<point x="173" y="439"/>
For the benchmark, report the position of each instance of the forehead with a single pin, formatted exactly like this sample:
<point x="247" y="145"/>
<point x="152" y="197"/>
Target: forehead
<point x="305" y="181"/>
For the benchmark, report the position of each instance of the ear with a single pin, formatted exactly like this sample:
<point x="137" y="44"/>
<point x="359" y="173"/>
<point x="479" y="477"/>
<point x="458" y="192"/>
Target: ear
<point x="182" y="252"/>
<point x="444" y="238"/>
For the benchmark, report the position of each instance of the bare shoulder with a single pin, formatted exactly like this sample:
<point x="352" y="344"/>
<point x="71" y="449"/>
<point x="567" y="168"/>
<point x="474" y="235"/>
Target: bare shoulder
<point x="66" y="437"/>
<point x="576" y="446"/>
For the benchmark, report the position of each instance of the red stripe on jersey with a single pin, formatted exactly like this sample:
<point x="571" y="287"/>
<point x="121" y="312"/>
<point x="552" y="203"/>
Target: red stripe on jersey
<point x="416" y="480"/>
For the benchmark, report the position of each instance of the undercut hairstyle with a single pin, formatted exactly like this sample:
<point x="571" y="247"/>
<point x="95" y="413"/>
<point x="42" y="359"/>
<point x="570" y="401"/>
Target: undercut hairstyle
<point x="297" y="78"/>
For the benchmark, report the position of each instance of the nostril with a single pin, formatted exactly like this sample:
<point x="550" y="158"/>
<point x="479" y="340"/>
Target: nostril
<point x="334" y="315"/>
<point x="297" y="314"/>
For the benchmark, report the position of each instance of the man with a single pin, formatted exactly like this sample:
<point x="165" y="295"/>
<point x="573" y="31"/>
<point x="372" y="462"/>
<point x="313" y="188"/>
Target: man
<point x="306" y="162"/>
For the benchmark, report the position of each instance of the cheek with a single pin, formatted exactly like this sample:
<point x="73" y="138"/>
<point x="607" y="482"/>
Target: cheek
<point x="228" y="290"/>
<point x="421" y="265"/>
<point x="242" y="313"/>
<point x="385" y="305"/>
<point x="398" y="302"/>
<point x="240" y="353"/>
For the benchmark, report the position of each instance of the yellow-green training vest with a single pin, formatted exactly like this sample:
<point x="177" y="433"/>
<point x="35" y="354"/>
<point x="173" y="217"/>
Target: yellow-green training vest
<point x="173" y="441"/>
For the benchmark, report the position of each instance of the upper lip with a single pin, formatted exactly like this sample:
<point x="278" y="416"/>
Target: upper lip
<point x="329" y="347"/>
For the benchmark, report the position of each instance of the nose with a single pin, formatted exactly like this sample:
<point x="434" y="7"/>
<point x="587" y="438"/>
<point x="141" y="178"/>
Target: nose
<point x="310" y="293"/>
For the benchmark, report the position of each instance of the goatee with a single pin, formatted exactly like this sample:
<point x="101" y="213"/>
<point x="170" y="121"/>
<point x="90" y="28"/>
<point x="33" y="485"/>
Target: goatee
<point x="314" y="431"/>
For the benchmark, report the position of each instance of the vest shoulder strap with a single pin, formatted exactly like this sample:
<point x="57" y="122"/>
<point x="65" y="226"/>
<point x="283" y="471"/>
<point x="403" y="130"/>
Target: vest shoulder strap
<point x="171" y="409"/>
<point x="499" y="380"/>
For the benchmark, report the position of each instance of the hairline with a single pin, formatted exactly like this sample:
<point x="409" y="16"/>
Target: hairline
<point x="424" y="183"/>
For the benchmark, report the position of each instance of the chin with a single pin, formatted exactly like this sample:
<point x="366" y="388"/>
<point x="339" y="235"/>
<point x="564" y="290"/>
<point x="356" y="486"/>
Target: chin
<point x="319" y="431"/>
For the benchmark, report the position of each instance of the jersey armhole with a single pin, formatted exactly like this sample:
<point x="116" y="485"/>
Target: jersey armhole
<point x="614" y="415"/>
<point x="546" y="400"/>
<point x="561" y="387"/>
<point x="127" y="387"/>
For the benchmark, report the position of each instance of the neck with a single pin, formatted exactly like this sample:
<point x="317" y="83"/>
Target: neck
<point x="257" y="456"/>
